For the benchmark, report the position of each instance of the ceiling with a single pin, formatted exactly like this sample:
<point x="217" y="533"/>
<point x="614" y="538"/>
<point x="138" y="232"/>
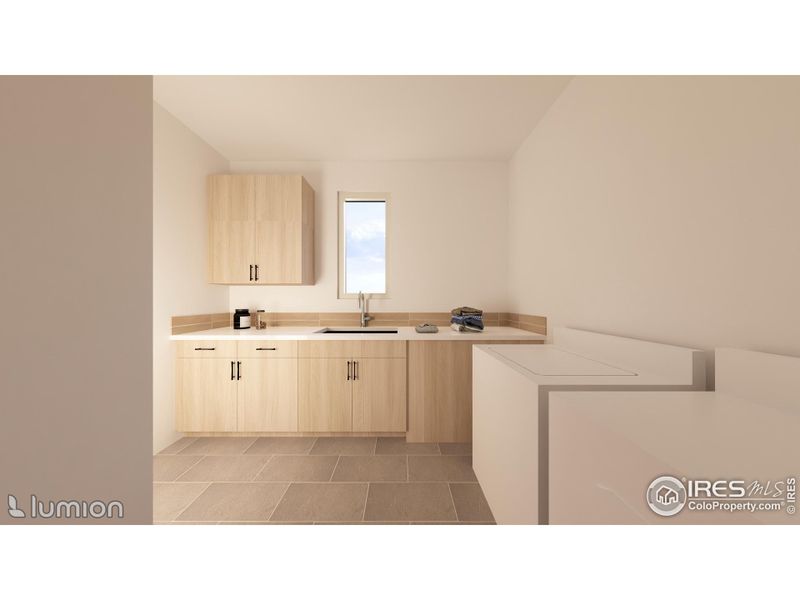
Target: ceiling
<point x="360" y="117"/>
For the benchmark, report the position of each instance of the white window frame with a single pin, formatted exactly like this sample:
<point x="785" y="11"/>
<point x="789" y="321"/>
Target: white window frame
<point x="361" y="197"/>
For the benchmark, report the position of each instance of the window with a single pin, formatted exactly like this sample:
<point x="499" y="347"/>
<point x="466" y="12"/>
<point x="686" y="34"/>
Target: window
<point x="362" y="244"/>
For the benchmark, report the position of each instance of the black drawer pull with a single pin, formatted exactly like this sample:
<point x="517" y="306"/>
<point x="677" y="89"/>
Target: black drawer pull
<point x="256" y="272"/>
<point x="273" y="348"/>
<point x="231" y="370"/>
<point x="251" y="272"/>
<point x="238" y="370"/>
<point x="205" y="348"/>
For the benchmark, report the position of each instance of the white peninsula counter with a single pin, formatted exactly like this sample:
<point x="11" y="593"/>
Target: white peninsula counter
<point x="511" y="386"/>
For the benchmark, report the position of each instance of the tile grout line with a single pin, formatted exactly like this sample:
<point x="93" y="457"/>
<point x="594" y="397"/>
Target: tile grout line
<point x="338" y="458"/>
<point x="250" y="446"/>
<point x="164" y="453"/>
<point x="189" y="445"/>
<point x="194" y="464"/>
<point x="203" y="491"/>
<point x="277" y="504"/>
<point x="453" y="500"/>
<point x="366" y="499"/>
<point x="261" y="470"/>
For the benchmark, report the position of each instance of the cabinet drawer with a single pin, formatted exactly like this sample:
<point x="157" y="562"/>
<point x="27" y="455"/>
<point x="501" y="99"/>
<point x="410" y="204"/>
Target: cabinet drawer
<point x="268" y="349"/>
<point x="378" y="349"/>
<point x="206" y="349"/>
<point x="353" y="349"/>
<point x="329" y="349"/>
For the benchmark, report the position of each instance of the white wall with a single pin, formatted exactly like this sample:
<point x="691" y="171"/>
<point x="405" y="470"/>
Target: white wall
<point x="447" y="235"/>
<point x="663" y="208"/>
<point x="181" y="161"/>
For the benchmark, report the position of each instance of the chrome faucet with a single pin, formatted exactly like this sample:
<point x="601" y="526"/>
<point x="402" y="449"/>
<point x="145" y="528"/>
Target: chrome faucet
<point x="362" y="305"/>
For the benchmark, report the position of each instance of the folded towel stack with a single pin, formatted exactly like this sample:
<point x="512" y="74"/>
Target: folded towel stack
<point x="466" y="318"/>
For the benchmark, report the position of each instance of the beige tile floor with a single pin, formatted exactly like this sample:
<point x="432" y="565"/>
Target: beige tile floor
<point x="294" y="480"/>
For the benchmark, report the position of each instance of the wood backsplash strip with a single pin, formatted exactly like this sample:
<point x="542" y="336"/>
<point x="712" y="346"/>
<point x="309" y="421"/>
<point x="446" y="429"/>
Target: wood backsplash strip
<point x="188" y="324"/>
<point x="532" y="323"/>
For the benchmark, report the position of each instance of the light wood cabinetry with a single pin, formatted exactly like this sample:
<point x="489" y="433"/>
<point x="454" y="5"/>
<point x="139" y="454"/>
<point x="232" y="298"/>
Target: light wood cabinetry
<point x="352" y="349"/>
<point x="206" y="349"/>
<point x="379" y="394"/>
<point x="261" y="229"/>
<point x="206" y="394"/>
<point x="325" y="395"/>
<point x="389" y="349"/>
<point x="231" y="215"/>
<point x="440" y="390"/>
<point x="250" y="386"/>
<point x="267" y="349"/>
<point x="330" y="349"/>
<point x="267" y="394"/>
<point x="252" y="389"/>
<point x="352" y="386"/>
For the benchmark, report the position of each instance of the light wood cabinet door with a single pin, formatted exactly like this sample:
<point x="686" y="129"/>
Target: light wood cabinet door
<point x="379" y="395"/>
<point x="325" y="395"/>
<point x="205" y="394"/>
<point x="268" y="394"/>
<point x="231" y="230"/>
<point x="279" y="228"/>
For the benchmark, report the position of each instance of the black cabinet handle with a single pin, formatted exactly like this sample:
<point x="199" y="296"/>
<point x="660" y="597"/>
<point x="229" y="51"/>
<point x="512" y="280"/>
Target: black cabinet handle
<point x="251" y="272"/>
<point x="266" y="348"/>
<point x="348" y="370"/>
<point x="205" y="348"/>
<point x="355" y="369"/>
<point x="256" y="272"/>
<point x="238" y="369"/>
<point x="231" y="370"/>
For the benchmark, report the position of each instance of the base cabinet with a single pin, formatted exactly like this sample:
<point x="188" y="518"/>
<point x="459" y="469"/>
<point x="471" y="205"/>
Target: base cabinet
<point x="423" y="388"/>
<point x="325" y="394"/>
<point x="379" y="395"/>
<point x="253" y="389"/>
<point x="352" y="394"/>
<point x="206" y="394"/>
<point x="267" y="394"/>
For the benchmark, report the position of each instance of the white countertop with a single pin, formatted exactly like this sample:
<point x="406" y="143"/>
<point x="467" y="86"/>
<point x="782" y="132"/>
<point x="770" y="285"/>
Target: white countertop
<point x="597" y="361"/>
<point x="552" y="361"/>
<point x="445" y="334"/>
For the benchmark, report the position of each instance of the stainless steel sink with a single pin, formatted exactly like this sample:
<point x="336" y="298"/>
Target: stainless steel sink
<point x="355" y="330"/>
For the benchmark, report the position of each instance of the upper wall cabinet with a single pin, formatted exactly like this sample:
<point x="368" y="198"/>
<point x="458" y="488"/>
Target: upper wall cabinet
<point x="261" y="230"/>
